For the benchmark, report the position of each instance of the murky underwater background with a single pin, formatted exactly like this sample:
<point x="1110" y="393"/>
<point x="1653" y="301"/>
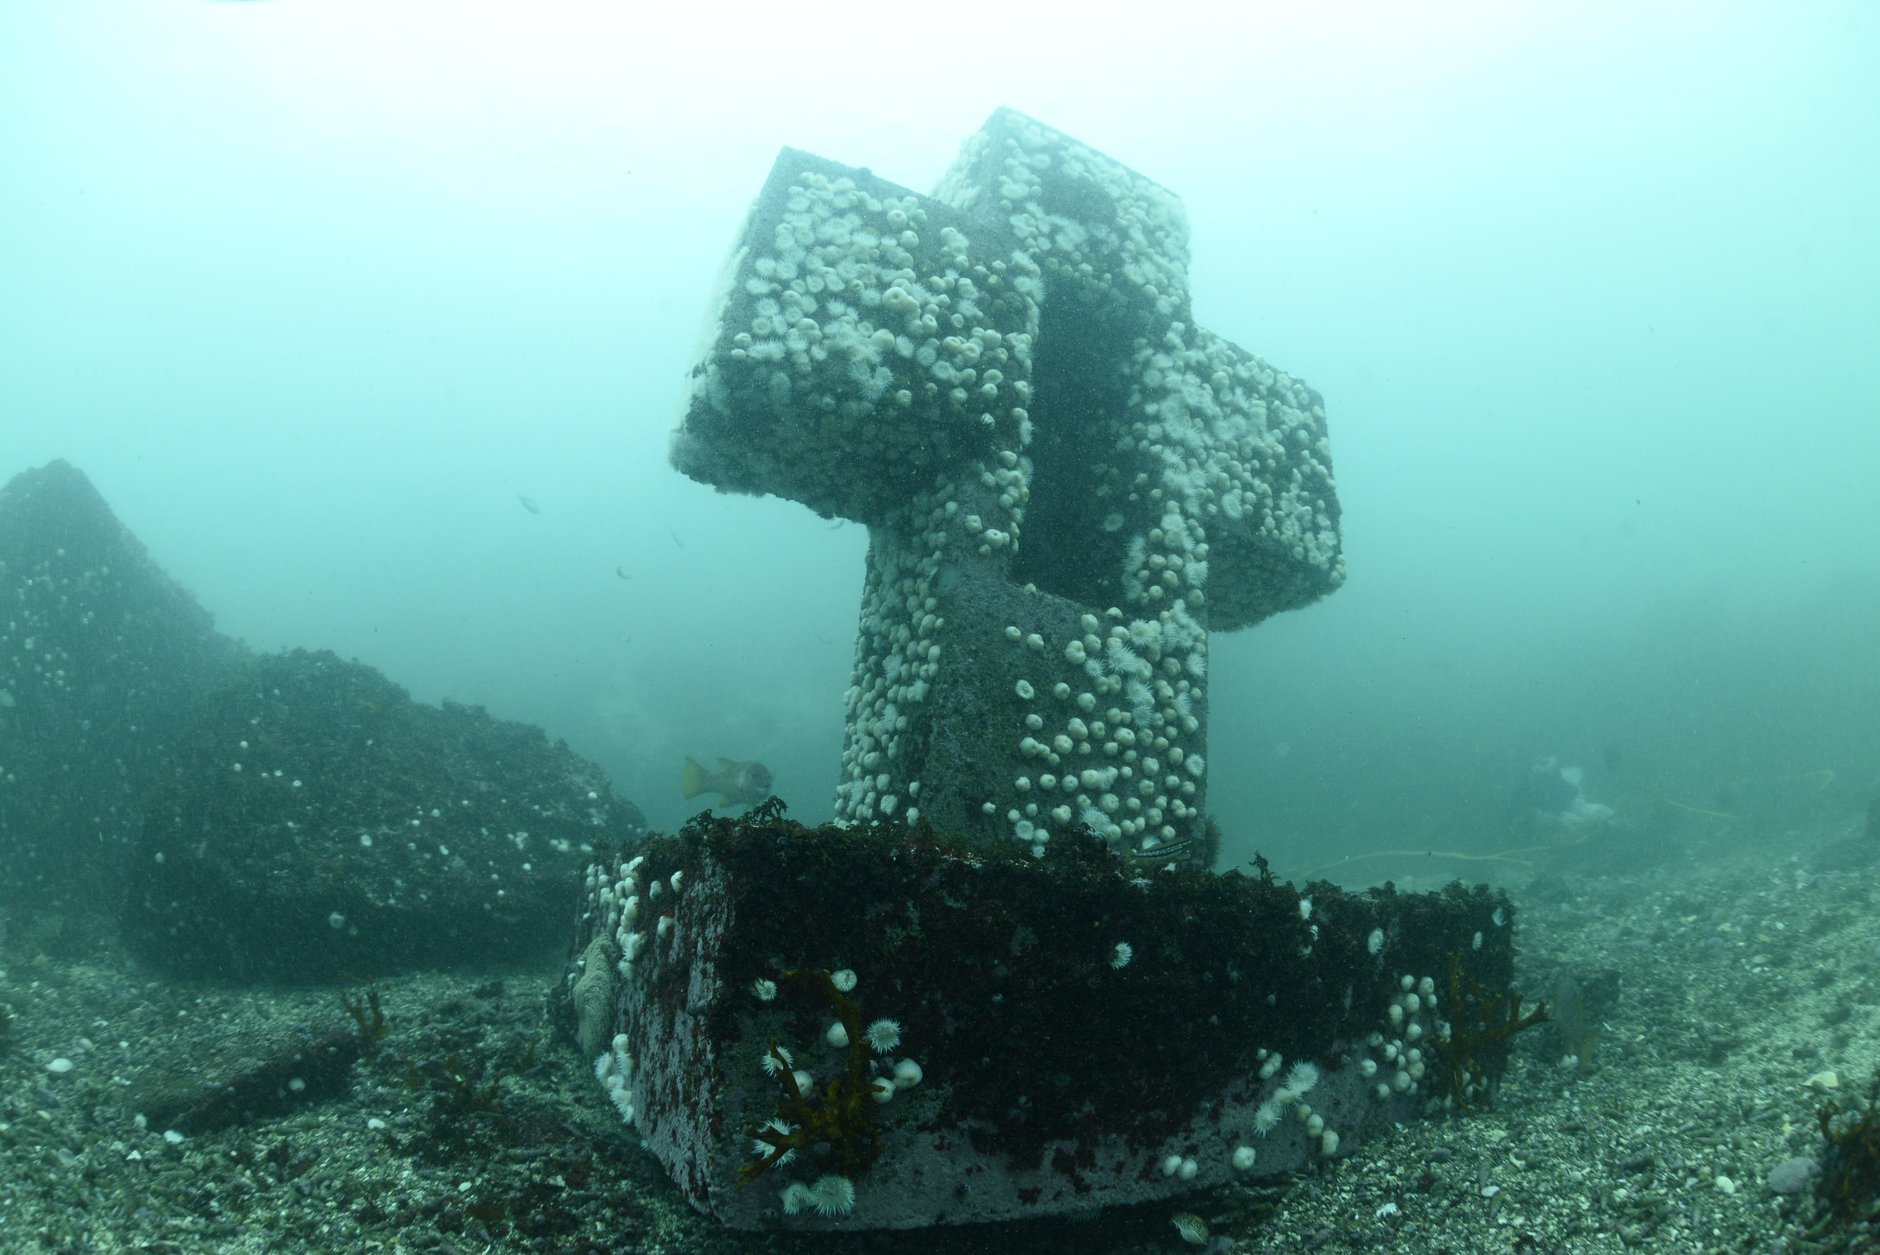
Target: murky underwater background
<point x="313" y="292"/>
<point x="371" y="323"/>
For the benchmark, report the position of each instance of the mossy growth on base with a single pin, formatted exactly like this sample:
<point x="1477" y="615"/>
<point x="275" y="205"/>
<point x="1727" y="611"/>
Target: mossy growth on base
<point x="967" y="1033"/>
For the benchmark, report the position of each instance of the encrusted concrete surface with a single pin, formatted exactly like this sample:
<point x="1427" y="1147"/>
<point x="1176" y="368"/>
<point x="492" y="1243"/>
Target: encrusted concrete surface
<point x="1067" y="483"/>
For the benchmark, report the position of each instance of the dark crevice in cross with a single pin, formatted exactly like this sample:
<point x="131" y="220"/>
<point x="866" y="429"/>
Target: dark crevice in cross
<point x="1079" y="405"/>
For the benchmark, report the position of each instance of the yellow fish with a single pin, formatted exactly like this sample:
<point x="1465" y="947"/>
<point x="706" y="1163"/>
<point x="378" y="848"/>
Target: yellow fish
<point x="736" y="784"/>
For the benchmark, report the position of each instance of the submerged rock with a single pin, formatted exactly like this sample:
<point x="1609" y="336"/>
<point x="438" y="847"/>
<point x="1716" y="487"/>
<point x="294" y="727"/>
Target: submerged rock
<point x="320" y="822"/>
<point x="104" y="661"/>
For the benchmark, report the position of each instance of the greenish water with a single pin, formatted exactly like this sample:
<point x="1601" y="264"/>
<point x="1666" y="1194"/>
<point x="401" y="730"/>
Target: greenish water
<point x="315" y="292"/>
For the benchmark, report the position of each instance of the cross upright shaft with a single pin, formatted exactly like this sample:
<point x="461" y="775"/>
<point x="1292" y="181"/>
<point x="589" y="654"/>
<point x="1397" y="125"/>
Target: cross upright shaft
<point x="1067" y="483"/>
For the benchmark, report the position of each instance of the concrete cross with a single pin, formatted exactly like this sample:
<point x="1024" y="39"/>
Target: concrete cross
<point x="1067" y="483"/>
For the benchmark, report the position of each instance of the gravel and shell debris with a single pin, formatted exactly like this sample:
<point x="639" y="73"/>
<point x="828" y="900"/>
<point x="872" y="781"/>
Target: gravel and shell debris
<point x="1722" y="1000"/>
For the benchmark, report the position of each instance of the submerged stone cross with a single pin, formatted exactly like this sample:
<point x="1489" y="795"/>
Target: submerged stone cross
<point x="1067" y="483"/>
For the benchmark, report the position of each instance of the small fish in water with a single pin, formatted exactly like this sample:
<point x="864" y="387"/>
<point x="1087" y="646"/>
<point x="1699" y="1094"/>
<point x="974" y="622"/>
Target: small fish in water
<point x="528" y="503"/>
<point x="736" y="784"/>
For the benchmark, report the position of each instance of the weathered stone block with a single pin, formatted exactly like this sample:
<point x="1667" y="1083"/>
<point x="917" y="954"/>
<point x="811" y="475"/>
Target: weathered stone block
<point x="1083" y="1030"/>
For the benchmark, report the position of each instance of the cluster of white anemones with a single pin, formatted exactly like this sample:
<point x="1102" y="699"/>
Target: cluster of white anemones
<point x="1242" y="448"/>
<point x="1109" y="750"/>
<point x="615" y="895"/>
<point x="831" y="1195"/>
<point x="898" y="644"/>
<point x="1399" y="1053"/>
<point x="1011" y="160"/>
<point x="861" y="321"/>
<point x="619" y="901"/>
<point x="1289" y="1098"/>
<point x="613" y="1068"/>
<point x="895" y="653"/>
<point x="855" y="327"/>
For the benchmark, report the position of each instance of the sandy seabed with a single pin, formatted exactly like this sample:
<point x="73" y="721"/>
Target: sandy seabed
<point x="1748" y="979"/>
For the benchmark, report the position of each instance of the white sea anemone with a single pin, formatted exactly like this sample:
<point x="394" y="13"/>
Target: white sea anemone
<point x="763" y="1149"/>
<point x="833" y="1195"/>
<point x="1120" y="659"/>
<point x="1141" y="701"/>
<point x="884" y="1035"/>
